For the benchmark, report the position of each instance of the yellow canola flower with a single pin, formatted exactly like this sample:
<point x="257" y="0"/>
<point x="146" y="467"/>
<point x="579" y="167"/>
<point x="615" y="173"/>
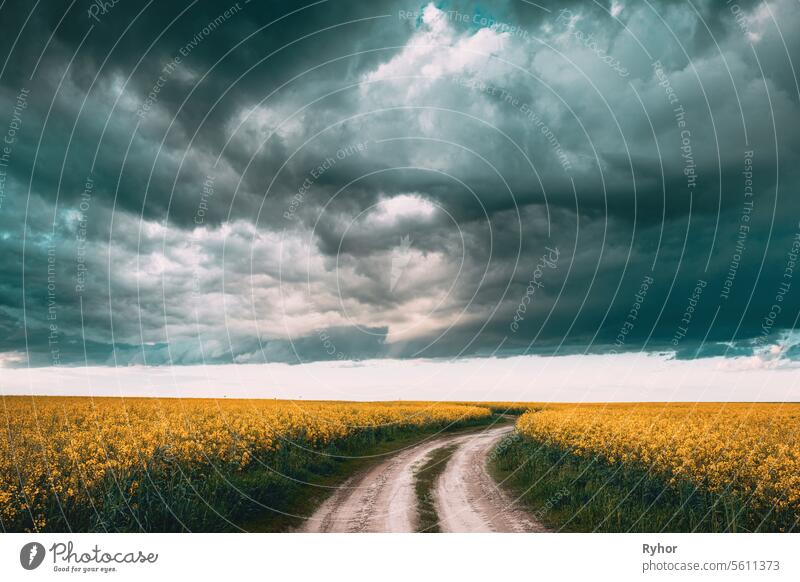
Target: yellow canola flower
<point x="748" y="449"/>
<point x="73" y="447"/>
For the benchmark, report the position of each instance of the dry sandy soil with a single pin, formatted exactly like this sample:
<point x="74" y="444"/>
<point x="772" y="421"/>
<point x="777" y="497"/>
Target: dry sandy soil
<point x="382" y="499"/>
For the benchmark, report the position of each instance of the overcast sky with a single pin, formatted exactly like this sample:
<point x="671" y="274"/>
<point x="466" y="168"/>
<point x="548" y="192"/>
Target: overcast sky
<point x="203" y="183"/>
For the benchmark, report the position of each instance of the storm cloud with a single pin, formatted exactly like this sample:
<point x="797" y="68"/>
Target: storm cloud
<point x="198" y="182"/>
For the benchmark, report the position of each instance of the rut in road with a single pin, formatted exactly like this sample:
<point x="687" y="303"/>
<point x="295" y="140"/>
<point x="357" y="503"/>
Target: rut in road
<point x="382" y="499"/>
<point x="467" y="499"/>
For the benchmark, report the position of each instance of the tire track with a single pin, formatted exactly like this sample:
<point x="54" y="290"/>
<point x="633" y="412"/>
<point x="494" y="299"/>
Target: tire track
<point x="382" y="499"/>
<point x="467" y="497"/>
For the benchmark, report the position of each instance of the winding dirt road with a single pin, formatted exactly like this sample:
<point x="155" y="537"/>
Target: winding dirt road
<point x="383" y="499"/>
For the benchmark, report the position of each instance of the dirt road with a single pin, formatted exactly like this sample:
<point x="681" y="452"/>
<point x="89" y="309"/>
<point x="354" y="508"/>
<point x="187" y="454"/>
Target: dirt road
<point x="383" y="499"/>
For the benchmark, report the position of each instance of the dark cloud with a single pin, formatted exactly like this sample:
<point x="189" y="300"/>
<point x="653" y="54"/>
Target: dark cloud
<point x="384" y="178"/>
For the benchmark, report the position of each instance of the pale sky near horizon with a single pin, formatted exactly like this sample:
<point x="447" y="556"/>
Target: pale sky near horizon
<point x="625" y="377"/>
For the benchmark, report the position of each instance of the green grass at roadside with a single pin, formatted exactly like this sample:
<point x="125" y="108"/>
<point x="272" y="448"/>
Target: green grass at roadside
<point x="567" y="492"/>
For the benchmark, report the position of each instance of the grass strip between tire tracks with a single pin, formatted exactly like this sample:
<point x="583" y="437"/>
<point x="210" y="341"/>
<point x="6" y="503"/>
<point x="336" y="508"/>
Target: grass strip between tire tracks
<point x="425" y="481"/>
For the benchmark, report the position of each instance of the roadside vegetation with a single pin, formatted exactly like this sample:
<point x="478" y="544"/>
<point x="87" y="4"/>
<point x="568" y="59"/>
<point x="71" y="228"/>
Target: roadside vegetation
<point x="155" y="465"/>
<point x="425" y="487"/>
<point x="657" y="467"/>
<point x="510" y="408"/>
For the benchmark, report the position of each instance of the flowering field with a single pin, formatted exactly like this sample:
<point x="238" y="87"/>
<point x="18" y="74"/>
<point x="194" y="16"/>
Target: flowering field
<point x="142" y="464"/>
<point x="510" y="408"/>
<point x="168" y="464"/>
<point x="711" y="466"/>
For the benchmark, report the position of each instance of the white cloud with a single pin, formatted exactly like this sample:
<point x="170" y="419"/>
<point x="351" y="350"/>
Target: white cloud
<point x="770" y="356"/>
<point x="438" y="50"/>
<point x="405" y="206"/>
<point x="12" y="359"/>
